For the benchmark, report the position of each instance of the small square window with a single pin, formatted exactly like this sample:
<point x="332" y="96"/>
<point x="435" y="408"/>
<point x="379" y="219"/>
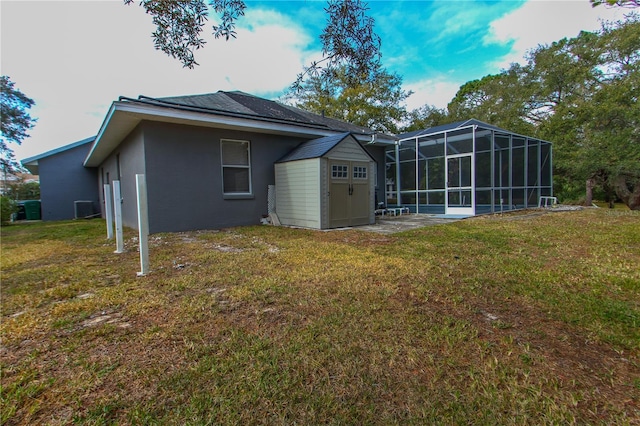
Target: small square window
<point x="339" y="171"/>
<point x="359" y="172"/>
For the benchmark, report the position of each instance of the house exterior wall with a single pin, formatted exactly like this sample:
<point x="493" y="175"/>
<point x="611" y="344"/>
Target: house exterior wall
<point x="378" y="154"/>
<point x="184" y="177"/>
<point x="298" y="193"/>
<point x="64" y="180"/>
<point x="123" y="164"/>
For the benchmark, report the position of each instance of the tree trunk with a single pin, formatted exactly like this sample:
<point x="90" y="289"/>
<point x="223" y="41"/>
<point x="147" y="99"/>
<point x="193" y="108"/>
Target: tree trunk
<point x="591" y="183"/>
<point x="609" y="194"/>
<point x="630" y="197"/>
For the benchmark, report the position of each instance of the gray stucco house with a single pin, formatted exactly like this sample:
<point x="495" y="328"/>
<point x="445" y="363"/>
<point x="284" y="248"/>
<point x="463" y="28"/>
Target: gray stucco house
<point x="65" y="184"/>
<point x="210" y="159"/>
<point x="229" y="158"/>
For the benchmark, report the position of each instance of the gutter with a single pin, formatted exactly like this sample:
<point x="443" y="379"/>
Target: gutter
<point x="183" y="107"/>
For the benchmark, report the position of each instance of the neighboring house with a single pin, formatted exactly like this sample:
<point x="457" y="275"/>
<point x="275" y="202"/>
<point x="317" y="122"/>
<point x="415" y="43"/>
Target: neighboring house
<point x="65" y="183"/>
<point x="12" y="178"/>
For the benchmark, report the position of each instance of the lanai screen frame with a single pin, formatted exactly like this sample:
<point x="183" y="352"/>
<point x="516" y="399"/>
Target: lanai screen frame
<point x="417" y="169"/>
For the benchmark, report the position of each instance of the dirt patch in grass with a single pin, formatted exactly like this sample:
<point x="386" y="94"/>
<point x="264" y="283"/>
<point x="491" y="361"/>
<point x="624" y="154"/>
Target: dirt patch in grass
<point x="483" y="321"/>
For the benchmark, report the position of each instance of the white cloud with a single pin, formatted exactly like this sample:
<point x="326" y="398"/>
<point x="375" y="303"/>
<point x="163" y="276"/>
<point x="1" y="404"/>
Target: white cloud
<point x="543" y="22"/>
<point x="432" y="91"/>
<point x="75" y="58"/>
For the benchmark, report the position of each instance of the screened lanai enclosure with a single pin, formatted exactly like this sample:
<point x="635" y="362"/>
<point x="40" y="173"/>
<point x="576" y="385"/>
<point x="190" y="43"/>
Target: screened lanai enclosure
<point x="467" y="168"/>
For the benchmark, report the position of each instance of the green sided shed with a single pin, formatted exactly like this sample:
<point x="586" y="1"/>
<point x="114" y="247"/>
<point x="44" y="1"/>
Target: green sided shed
<point x="326" y="183"/>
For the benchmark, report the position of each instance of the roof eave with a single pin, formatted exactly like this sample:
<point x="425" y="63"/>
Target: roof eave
<point x="32" y="166"/>
<point x="123" y="117"/>
<point x="32" y="163"/>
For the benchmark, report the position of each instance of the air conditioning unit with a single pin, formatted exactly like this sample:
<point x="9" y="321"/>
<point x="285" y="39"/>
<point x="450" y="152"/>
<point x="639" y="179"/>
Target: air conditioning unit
<point x="83" y="209"/>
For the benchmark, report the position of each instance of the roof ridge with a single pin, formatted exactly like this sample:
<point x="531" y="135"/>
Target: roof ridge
<point x="314" y="148"/>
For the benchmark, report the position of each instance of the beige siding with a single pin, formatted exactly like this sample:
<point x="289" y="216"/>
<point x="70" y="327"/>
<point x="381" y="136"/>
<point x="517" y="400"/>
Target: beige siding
<point x="298" y="193"/>
<point x="349" y="149"/>
<point x="324" y="192"/>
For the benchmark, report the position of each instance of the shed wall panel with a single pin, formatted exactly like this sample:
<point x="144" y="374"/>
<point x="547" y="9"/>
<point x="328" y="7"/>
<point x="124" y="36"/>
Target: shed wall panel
<point x="348" y="149"/>
<point x="298" y="193"/>
<point x="372" y="193"/>
<point x="324" y="192"/>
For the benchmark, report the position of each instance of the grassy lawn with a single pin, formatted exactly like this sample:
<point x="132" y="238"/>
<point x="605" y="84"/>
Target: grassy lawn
<point x="513" y="319"/>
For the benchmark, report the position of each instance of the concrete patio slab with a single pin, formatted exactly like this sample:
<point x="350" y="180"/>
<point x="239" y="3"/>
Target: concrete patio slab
<point x="393" y="224"/>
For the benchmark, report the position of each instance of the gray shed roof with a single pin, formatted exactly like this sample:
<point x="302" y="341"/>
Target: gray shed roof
<point x="314" y="148"/>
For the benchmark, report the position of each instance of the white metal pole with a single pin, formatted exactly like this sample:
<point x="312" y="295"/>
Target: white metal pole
<point x="143" y="225"/>
<point x="398" y="196"/>
<point x="446" y="175"/>
<point x="117" y="208"/>
<point x="108" y="210"/>
<point x="493" y="171"/>
<point x="417" y="176"/>
<point x="473" y="171"/>
<point x="551" y="168"/>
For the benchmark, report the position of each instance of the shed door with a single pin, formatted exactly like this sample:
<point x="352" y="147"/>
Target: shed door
<point x="360" y="196"/>
<point x="348" y="193"/>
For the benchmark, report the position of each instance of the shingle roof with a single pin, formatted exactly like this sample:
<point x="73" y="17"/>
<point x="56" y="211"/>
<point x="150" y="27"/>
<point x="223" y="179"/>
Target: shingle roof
<point x="314" y="148"/>
<point x="235" y="110"/>
<point x="244" y="104"/>
<point x="215" y="101"/>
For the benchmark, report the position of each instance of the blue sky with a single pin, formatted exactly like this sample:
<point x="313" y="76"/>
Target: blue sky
<point x="76" y="57"/>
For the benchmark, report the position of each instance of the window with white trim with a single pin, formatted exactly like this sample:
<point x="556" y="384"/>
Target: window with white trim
<point x="236" y="166"/>
<point x="359" y="172"/>
<point x="339" y="171"/>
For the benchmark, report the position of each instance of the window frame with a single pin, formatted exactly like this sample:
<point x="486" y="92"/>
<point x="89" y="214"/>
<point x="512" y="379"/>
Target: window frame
<point x="223" y="166"/>
<point x="340" y="171"/>
<point x="360" y="172"/>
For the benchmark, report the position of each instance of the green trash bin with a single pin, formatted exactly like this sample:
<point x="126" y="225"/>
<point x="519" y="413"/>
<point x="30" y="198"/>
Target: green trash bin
<point x="32" y="209"/>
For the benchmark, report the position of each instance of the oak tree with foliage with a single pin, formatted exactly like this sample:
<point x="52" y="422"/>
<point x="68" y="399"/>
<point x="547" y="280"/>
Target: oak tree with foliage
<point x="425" y="117"/>
<point x="618" y="3"/>
<point x="375" y="101"/>
<point x="348" y="38"/>
<point x="580" y="93"/>
<point x="16" y="122"/>
<point x="496" y="99"/>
